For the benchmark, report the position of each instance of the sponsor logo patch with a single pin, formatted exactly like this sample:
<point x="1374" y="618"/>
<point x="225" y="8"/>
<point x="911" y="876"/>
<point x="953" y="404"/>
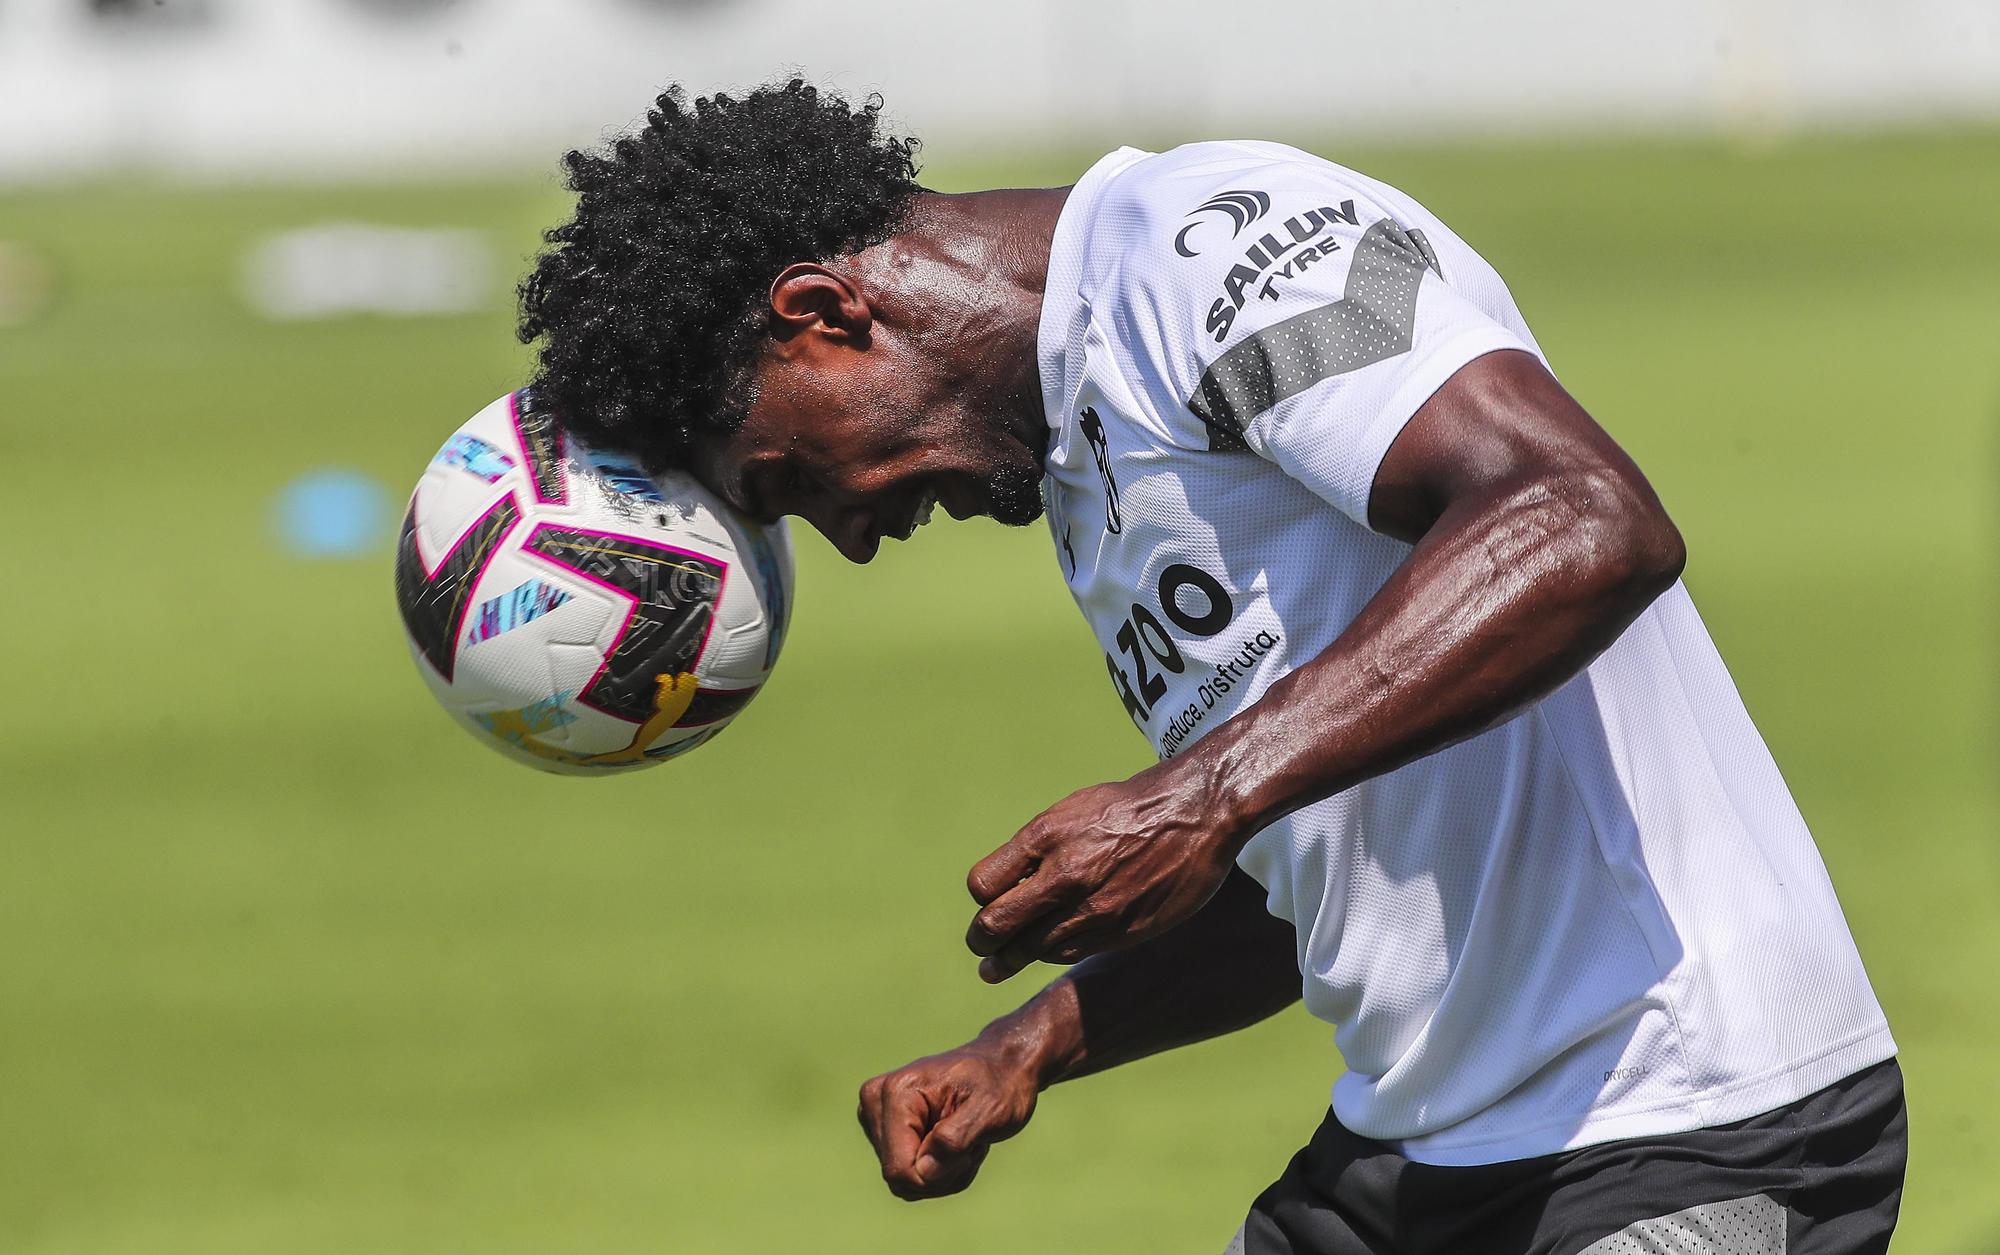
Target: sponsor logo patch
<point x="1241" y="208"/>
<point x="1375" y="319"/>
<point x="1284" y="253"/>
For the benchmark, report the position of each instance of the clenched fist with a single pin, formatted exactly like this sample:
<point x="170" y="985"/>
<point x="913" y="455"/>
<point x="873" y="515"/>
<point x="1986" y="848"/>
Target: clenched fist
<point x="932" y="1121"/>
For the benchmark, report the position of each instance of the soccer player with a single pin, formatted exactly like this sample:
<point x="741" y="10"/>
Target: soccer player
<point x="1444" y="748"/>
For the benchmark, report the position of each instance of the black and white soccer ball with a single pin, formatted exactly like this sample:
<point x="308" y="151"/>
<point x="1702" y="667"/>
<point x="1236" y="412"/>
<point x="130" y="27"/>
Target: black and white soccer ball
<point x="575" y="613"/>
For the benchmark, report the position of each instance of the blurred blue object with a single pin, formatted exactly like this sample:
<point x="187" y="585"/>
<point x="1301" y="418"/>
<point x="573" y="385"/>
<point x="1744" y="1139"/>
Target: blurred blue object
<point x="332" y="513"/>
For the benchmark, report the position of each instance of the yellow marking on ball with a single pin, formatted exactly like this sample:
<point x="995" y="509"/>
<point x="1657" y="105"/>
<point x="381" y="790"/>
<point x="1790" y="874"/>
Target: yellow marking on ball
<point x="671" y="699"/>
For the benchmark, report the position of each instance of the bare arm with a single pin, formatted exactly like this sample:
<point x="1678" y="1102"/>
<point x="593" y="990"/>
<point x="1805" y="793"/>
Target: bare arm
<point x="1537" y="541"/>
<point x="1231" y="965"/>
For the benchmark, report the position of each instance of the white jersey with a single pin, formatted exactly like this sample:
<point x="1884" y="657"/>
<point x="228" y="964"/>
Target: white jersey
<point x="1603" y="918"/>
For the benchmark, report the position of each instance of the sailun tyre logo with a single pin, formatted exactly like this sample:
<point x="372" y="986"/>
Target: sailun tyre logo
<point x="1241" y="208"/>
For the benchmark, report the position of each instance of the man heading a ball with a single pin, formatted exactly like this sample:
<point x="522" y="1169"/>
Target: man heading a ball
<point x="1445" y="749"/>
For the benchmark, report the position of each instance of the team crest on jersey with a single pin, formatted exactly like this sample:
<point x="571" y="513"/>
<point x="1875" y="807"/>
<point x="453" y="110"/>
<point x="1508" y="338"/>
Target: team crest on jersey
<point x="1093" y="431"/>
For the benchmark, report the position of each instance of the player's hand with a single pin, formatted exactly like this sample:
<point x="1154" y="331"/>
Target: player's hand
<point x="1104" y="868"/>
<point x="931" y="1122"/>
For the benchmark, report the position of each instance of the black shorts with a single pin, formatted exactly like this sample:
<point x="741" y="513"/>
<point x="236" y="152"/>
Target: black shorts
<point x="1823" y="1176"/>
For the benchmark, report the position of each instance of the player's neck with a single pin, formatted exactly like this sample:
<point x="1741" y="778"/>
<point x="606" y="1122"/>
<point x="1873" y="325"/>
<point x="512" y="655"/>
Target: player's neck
<point x="981" y="260"/>
<point x="1003" y="233"/>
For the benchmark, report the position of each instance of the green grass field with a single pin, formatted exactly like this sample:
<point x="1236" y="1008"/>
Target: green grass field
<point x="292" y="965"/>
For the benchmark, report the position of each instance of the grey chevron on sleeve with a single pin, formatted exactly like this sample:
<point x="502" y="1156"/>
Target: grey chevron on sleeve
<point x="1373" y="321"/>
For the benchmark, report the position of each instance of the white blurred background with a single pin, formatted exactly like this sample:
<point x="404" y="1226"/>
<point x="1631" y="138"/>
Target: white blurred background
<point x="224" y="88"/>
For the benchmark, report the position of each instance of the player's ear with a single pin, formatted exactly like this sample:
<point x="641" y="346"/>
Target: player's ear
<point x="807" y="297"/>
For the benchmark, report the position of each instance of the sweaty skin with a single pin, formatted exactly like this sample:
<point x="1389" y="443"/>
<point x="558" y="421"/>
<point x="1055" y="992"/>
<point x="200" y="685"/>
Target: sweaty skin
<point x="907" y="374"/>
<point x="1231" y="965"/>
<point x="1537" y="543"/>
<point x="903" y="375"/>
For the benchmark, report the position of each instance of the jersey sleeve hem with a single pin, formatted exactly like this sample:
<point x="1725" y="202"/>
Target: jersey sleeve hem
<point x="1420" y="385"/>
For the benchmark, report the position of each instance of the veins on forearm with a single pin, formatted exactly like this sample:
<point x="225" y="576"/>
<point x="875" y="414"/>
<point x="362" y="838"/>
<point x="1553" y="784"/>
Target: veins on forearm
<point x="1499" y="604"/>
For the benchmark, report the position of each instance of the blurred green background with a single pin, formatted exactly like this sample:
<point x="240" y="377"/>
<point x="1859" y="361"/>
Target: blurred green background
<point x="290" y="964"/>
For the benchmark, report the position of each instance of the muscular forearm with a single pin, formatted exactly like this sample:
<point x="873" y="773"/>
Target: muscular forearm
<point x="1230" y="966"/>
<point x="1505" y="598"/>
<point x="1536" y="543"/>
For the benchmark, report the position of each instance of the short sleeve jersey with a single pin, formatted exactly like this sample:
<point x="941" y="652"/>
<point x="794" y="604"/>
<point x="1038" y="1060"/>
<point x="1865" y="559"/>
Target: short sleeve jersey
<point x="1603" y="918"/>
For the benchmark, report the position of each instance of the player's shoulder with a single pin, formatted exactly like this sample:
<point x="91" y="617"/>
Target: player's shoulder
<point x="1191" y="249"/>
<point x="1188" y="237"/>
<point x="1138" y="177"/>
<point x="1183" y="202"/>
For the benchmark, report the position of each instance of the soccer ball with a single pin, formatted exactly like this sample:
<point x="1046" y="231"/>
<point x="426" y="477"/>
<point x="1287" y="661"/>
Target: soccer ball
<point x="575" y="613"/>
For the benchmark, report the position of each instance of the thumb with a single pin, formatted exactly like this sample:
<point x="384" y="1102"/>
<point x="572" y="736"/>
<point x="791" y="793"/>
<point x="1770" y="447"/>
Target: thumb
<point x="953" y="1150"/>
<point x="952" y="1136"/>
<point x="963" y="1132"/>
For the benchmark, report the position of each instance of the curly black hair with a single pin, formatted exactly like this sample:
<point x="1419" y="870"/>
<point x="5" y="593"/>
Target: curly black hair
<point x="650" y="302"/>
